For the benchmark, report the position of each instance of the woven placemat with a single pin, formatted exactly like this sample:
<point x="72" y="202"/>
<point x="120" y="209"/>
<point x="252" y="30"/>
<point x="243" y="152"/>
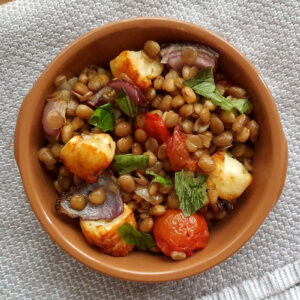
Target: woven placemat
<point x="32" y="33"/>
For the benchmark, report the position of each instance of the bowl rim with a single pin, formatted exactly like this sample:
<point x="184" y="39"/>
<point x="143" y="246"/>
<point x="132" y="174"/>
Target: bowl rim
<point x="101" y="266"/>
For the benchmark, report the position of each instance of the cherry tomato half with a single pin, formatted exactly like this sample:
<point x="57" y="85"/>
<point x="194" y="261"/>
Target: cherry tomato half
<point x="173" y="232"/>
<point x="178" y="154"/>
<point x="155" y="127"/>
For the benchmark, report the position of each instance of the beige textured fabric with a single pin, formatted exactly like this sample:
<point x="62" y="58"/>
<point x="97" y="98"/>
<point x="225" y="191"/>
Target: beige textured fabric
<point x="32" y="33"/>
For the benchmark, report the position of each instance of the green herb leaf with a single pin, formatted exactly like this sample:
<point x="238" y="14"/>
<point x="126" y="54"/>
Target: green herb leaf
<point x="204" y="85"/>
<point x="134" y="237"/>
<point x="191" y="191"/>
<point x="159" y="179"/>
<point x="125" y="163"/>
<point x="242" y="105"/>
<point x="126" y="105"/>
<point x="103" y="117"/>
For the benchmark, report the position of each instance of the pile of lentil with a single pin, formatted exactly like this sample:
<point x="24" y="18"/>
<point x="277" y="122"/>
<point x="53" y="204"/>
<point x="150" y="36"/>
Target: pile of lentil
<point x="208" y="129"/>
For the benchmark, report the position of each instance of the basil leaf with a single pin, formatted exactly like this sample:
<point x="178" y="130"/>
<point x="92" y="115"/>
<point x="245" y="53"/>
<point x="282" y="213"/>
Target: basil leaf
<point x="204" y="85"/>
<point x="191" y="191"/>
<point x="125" y="163"/>
<point x="126" y="105"/>
<point x="134" y="237"/>
<point x="103" y="117"/>
<point x="159" y="179"/>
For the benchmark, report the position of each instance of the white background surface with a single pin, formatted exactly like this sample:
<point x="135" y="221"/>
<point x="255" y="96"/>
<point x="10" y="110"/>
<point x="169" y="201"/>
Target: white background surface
<point x="32" y="33"/>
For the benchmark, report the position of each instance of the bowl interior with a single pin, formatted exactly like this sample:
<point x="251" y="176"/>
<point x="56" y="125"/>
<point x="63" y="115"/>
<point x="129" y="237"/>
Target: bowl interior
<point x="98" y="47"/>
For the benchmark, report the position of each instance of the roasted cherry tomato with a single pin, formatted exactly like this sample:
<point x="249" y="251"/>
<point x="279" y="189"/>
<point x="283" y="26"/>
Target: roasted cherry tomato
<point x="173" y="232"/>
<point x="178" y="154"/>
<point x="155" y="127"/>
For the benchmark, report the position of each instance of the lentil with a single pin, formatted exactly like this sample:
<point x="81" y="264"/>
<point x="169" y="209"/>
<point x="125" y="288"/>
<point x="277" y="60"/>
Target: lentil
<point x="152" y="48"/>
<point x="83" y="111"/>
<point x="177" y="255"/>
<point x="46" y="156"/>
<point x="78" y="202"/>
<point x="136" y="149"/>
<point x="55" y="119"/>
<point x="204" y="115"/>
<point x="193" y="143"/>
<point x="124" y="144"/>
<point x="239" y="123"/>
<point x="166" y="103"/>
<point x="151" y="145"/>
<point x="186" y="110"/>
<point x="157" y="210"/>
<point x="80" y="88"/>
<point x="216" y="125"/>
<point x="188" y="95"/>
<point x="122" y="129"/>
<point x="162" y="151"/>
<point x="171" y="119"/>
<point x="146" y="225"/>
<point x="169" y="85"/>
<point x="158" y="82"/>
<point x="152" y="158"/>
<point x="140" y="135"/>
<point x="97" y="196"/>
<point x="126" y="183"/>
<point x="189" y="56"/>
<point x="236" y="92"/>
<point x="173" y="201"/>
<point x="243" y="135"/>
<point x="150" y="94"/>
<point x="187" y="126"/>
<point x="177" y="101"/>
<point x="223" y="140"/>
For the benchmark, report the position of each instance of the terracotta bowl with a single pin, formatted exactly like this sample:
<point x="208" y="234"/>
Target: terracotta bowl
<point x="226" y="237"/>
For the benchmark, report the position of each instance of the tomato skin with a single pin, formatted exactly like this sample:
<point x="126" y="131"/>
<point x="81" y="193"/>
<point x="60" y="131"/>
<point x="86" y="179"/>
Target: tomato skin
<point x="178" y="154"/>
<point x="173" y="232"/>
<point x="155" y="127"/>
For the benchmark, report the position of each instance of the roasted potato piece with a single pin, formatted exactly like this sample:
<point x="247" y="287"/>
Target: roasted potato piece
<point x="230" y="177"/>
<point x="88" y="156"/>
<point x="137" y="66"/>
<point x="105" y="234"/>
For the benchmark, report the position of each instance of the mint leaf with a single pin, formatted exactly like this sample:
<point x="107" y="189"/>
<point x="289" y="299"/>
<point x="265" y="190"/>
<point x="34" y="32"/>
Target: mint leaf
<point x="203" y="81"/>
<point x="103" y="117"/>
<point x="159" y="179"/>
<point x="203" y="84"/>
<point x="126" y="105"/>
<point x="134" y="237"/>
<point x="125" y="163"/>
<point x="242" y="105"/>
<point x="191" y="191"/>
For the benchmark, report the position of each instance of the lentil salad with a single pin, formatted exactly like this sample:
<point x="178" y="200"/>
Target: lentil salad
<point x="148" y="153"/>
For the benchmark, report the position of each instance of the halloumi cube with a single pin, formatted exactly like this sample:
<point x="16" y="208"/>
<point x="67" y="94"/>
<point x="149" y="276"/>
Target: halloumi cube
<point x="105" y="234"/>
<point x="140" y="68"/>
<point x="88" y="156"/>
<point x="230" y="177"/>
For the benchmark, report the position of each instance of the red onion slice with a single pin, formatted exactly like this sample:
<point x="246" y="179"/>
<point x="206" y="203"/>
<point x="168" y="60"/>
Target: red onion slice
<point x="134" y="93"/>
<point x="106" y="94"/>
<point x="143" y="192"/>
<point x="49" y="107"/>
<point x="110" y="209"/>
<point x="171" y="55"/>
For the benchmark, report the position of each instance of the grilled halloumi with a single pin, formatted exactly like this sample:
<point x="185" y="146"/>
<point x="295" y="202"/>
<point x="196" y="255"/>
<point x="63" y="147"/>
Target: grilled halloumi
<point x="88" y="156"/>
<point x="230" y="177"/>
<point x="105" y="234"/>
<point x="137" y="66"/>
